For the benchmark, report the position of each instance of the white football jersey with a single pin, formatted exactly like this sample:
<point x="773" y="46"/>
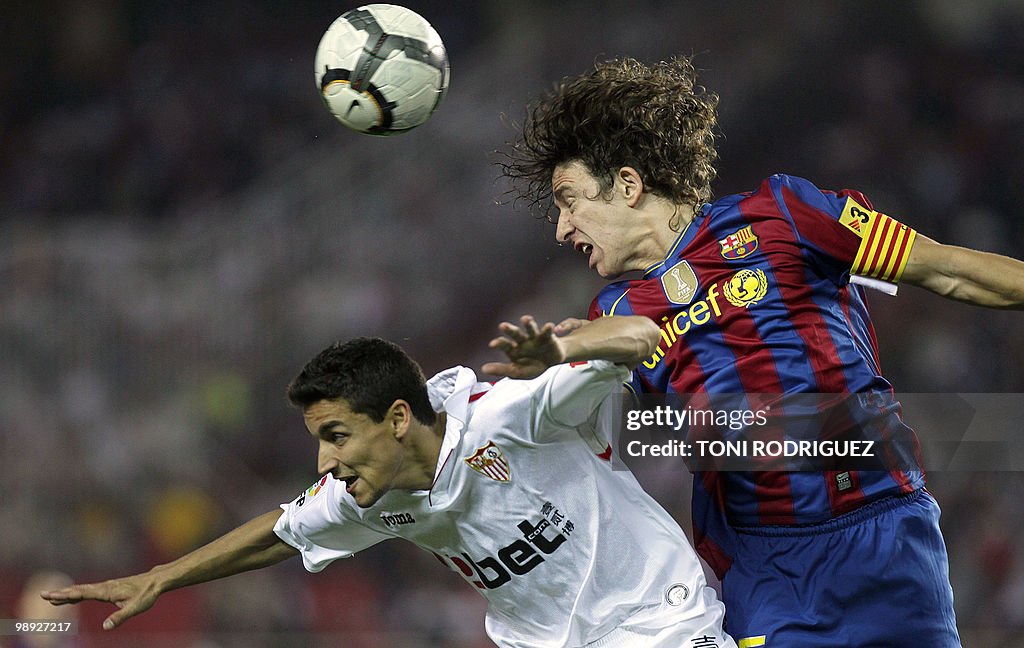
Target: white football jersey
<point x="526" y="507"/>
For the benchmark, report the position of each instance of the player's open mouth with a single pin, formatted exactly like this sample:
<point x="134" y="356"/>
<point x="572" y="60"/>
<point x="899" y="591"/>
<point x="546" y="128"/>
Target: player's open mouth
<point x="350" y="482"/>
<point x="585" y="248"/>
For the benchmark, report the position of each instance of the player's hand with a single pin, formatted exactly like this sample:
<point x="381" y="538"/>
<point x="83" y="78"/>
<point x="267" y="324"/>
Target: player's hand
<point x="569" y="324"/>
<point x="530" y="349"/>
<point x="132" y="594"/>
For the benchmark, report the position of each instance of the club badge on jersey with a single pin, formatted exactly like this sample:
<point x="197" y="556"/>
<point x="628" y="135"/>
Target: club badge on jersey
<point x="739" y="244"/>
<point x="490" y="461"/>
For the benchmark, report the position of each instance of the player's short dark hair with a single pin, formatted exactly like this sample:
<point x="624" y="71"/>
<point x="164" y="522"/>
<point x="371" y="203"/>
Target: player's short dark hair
<point x="654" y="118"/>
<point x="369" y="374"/>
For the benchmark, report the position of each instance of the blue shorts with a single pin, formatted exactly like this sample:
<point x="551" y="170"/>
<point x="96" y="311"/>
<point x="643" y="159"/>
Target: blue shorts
<point x="878" y="576"/>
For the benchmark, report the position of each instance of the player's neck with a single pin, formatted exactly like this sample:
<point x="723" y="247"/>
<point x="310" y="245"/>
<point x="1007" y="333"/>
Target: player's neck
<point x="432" y="453"/>
<point x="665" y="223"/>
<point x="420" y="463"/>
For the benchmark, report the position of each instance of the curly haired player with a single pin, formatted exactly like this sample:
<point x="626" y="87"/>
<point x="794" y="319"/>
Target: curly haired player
<point x="759" y="293"/>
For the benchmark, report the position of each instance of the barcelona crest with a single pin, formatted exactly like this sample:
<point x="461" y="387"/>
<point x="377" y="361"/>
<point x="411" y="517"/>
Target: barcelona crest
<point x="490" y="462"/>
<point x="739" y="244"/>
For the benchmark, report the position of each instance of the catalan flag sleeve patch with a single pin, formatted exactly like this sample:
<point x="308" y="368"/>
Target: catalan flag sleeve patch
<point x="884" y="246"/>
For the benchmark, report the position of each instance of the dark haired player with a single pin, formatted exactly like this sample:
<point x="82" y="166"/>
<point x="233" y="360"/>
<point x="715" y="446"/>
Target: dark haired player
<point x="509" y="484"/>
<point x="759" y="293"/>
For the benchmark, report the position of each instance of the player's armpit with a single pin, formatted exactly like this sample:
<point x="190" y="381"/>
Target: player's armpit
<point x="970" y="276"/>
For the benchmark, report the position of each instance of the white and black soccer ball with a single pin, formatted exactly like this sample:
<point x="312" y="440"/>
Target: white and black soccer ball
<point x="381" y="69"/>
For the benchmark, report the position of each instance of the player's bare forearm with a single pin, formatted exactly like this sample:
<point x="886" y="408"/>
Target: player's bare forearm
<point x="969" y="276"/>
<point x="626" y="339"/>
<point x="531" y="348"/>
<point x="250" y="546"/>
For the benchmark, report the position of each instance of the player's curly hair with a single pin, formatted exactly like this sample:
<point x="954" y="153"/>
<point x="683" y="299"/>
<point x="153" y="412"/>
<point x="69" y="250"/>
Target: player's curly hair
<point x="654" y="118"/>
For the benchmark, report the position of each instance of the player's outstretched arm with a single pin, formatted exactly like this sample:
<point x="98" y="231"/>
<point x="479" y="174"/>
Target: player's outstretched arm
<point x="970" y="276"/>
<point x="251" y="546"/>
<point x="531" y="348"/>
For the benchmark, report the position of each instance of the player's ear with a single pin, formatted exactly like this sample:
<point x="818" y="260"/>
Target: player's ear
<point x="399" y="417"/>
<point x="630" y="185"/>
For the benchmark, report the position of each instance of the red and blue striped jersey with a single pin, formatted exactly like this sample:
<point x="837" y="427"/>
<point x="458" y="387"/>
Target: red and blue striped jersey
<point x="754" y="297"/>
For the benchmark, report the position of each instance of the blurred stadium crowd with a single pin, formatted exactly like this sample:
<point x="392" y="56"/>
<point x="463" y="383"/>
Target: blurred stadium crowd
<point x="182" y="225"/>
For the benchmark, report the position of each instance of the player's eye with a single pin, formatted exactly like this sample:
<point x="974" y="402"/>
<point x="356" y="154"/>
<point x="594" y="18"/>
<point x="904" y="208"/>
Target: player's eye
<point x="338" y="437"/>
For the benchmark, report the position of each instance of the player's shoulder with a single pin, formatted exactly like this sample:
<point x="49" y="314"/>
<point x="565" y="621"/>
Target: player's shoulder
<point x="767" y="192"/>
<point x="789" y="180"/>
<point x="608" y="300"/>
<point x="782" y="192"/>
<point x="564" y="380"/>
<point x="811" y="192"/>
<point x="506" y="387"/>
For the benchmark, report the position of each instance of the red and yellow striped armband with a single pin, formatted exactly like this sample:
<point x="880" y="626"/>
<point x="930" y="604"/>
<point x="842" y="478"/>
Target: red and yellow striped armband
<point x="885" y="242"/>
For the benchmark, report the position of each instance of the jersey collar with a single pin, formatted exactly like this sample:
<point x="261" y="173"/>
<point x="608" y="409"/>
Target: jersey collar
<point x="449" y="392"/>
<point x="684" y="238"/>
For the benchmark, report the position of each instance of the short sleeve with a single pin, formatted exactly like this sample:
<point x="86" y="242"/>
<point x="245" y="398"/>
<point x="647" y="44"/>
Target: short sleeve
<point x="576" y="390"/>
<point x="841" y="234"/>
<point x="323" y="525"/>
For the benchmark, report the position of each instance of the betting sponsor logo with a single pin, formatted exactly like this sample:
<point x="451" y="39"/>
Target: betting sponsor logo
<point x="680" y="283"/>
<point x="743" y="289"/>
<point x="490" y="461"/>
<point x="741" y="243"/>
<point x="518" y="558"/>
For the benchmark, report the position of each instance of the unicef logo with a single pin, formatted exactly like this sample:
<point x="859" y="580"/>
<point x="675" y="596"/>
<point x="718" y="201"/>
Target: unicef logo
<point x="746" y="287"/>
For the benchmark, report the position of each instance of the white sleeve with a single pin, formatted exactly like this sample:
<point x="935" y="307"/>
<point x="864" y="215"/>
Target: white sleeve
<point x="324" y="526"/>
<point x="575" y="391"/>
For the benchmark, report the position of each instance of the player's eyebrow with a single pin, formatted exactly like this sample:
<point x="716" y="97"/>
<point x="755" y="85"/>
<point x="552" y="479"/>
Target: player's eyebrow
<point x="327" y="427"/>
<point x="559" y="193"/>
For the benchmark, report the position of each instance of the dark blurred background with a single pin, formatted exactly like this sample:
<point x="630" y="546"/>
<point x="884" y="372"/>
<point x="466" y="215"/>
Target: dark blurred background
<point x="182" y="225"/>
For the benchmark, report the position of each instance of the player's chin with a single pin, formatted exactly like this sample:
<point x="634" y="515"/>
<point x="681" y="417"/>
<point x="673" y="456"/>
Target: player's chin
<point x="608" y="273"/>
<point x="366" y="497"/>
<point x="599" y="264"/>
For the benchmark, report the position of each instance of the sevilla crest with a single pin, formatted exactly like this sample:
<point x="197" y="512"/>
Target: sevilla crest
<point x="490" y="461"/>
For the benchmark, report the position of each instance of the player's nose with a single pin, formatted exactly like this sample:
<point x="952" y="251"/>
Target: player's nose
<point x="325" y="460"/>
<point x="563" y="227"/>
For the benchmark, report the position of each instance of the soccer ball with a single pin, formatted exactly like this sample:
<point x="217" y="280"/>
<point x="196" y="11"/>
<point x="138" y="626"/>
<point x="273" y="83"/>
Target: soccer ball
<point x="381" y="69"/>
